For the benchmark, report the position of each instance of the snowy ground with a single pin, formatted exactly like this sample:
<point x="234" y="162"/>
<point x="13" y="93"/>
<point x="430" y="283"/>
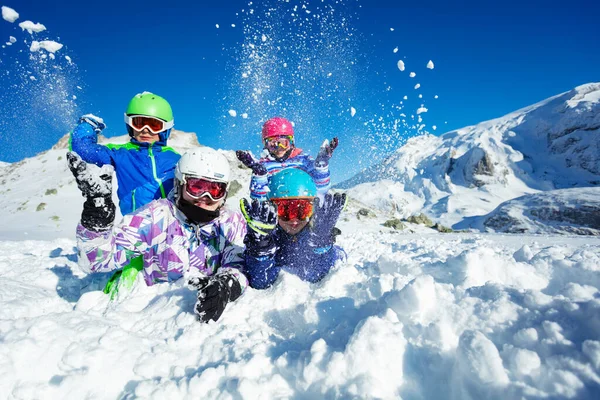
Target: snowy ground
<point x="418" y="316"/>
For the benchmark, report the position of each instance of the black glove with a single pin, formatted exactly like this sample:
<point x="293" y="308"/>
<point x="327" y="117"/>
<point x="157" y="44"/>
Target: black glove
<point x="326" y="216"/>
<point x="213" y="295"/>
<point x="98" y="209"/>
<point x="261" y="217"/>
<point x="326" y="151"/>
<point x="96" y="122"/>
<point x="246" y="158"/>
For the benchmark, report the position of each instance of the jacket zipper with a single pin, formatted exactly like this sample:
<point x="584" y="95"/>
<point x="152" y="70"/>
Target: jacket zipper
<point x="162" y="189"/>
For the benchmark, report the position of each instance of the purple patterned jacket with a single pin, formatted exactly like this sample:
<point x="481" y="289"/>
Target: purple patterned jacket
<point x="171" y="248"/>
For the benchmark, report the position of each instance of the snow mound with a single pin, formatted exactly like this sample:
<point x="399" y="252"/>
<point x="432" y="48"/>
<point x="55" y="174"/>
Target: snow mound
<point x="406" y="316"/>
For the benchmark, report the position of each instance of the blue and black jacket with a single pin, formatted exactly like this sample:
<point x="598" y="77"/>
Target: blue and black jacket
<point x="298" y="254"/>
<point x="145" y="172"/>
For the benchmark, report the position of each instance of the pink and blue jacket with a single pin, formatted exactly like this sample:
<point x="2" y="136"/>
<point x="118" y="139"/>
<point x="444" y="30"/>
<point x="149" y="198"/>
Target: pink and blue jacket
<point x="170" y="246"/>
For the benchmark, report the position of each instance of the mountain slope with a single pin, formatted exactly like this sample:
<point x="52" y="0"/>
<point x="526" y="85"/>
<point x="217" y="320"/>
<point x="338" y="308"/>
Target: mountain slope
<point x="35" y="192"/>
<point x="553" y="144"/>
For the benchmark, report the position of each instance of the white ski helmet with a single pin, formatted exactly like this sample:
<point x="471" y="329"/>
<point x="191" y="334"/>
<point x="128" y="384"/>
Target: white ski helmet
<point x="203" y="162"/>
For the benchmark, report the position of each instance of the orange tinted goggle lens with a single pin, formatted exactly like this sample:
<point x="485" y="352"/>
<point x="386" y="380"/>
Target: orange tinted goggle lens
<point x="196" y="187"/>
<point x="155" y="124"/>
<point x="294" y="209"/>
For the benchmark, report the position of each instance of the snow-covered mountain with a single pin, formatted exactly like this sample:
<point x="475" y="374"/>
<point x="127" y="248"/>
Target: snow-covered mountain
<point x="554" y="144"/>
<point x="40" y="198"/>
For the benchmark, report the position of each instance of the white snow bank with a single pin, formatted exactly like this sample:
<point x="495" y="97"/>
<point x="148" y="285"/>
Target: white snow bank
<point x="406" y="316"/>
<point x="8" y="14"/>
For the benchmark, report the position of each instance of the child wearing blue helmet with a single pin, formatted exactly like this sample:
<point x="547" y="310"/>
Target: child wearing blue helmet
<point x="293" y="230"/>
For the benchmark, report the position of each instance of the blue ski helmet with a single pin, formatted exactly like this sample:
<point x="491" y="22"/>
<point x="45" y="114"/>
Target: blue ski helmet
<point x="291" y="183"/>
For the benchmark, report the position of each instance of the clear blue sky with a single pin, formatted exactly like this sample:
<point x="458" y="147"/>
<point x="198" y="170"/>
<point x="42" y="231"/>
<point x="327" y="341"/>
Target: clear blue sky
<point x="489" y="60"/>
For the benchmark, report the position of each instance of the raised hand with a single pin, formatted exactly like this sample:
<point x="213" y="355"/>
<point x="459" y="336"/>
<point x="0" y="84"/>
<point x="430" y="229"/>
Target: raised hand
<point x="90" y="184"/>
<point x="327" y="213"/>
<point x="261" y="216"/>
<point x="98" y="209"/>
<point x="248" y="160"/>
<point x="213" y="295"/>
<point x="96" y="122"/>
<point x="326" y="151"/>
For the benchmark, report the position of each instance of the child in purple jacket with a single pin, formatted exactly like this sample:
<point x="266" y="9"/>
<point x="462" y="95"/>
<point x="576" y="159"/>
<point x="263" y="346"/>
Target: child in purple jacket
<point x="190" y="234"/>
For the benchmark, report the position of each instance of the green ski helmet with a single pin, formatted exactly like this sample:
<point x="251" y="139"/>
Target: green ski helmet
<point x="152" y="105"/>
<point x="291" y="183"/>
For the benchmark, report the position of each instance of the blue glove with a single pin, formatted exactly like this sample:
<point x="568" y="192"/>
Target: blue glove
<point x="96" y="122"/>
<point x="325" y="218"/>
<point x="326" y="151"/>
<point x="246" y="158"/>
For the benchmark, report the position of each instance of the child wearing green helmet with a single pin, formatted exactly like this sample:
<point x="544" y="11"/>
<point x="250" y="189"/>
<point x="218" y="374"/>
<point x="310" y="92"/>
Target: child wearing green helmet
<point x="293" y="230"/>
<point x="144" y="167"/>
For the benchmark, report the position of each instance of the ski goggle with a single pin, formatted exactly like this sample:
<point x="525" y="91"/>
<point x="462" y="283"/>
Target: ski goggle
<point x="201" y="187"/>
<point x="289" y="209"/>
<point x="155" y="125"/>
<point x="279" y="142"/>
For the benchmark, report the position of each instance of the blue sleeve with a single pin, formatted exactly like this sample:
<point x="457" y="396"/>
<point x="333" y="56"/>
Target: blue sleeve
<point x="84" y="142"/>
<point x="320" y="175"/>
<point x="320" y="264"/>
<point x="261" y="271"/>
<point x="259" y="186"/>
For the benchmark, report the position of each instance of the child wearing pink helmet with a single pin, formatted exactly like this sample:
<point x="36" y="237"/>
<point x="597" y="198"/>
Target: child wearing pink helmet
<point x="281" y="153"/>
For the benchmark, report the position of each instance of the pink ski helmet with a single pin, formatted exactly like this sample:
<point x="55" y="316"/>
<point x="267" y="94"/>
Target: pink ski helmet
<point x="277" y="126"/>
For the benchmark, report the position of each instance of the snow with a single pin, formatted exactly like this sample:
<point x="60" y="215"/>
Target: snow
<point x="8" y="14"/>
<point x="31" y="27"/>
<point x="412" y="74"/>
<point x="409" y="314"/>
<point x="217" y="26"/>
<point x="418" y="85"/>
<point x="12" y="39"/>
<point x="430" y="65"/>
<point x="395" y="51"/>
<point x="48" y="45"/>
<point x="412" y="313"/>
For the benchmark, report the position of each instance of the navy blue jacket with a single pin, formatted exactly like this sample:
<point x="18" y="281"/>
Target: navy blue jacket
<point x="296" y="254"/>
<point x="144" y="172"/>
